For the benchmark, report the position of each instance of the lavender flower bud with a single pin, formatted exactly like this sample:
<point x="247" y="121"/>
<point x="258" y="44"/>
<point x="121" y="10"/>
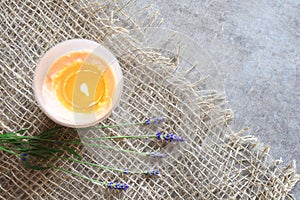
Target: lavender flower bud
<point x="159" y="134"/>
<point x="169" y="137"/>
<point x="126" y="171"/>
<point x="156" y="120"/>
<point x="177" y="138"/>
<point x="148" y="121"/>
<point x="119" y="186"/>
<point x="152" y="172"/>
<point x="23" y="156"/>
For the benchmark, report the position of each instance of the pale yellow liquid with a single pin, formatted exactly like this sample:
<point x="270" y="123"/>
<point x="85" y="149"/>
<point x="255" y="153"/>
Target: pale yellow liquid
<point x="80" y="85"/>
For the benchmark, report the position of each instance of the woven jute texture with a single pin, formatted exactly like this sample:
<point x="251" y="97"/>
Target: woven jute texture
<point x="214" y="162"/>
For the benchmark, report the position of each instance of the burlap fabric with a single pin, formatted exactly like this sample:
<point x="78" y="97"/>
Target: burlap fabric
<point x="214" y="163"/>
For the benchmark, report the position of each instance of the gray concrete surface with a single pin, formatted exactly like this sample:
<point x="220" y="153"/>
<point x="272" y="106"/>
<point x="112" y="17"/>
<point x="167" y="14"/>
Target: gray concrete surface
<point x="256" y="46"/>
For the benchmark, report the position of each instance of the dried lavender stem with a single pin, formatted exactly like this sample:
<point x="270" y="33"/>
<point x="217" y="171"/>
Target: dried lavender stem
<point x="126" y="171"/>
<point x="9" y="151"/>
<point x="109" y="147"/>
<point x="115" y="126"/>
<point x="118" y="137"/>
<point x="81" y="176"/>
<point x="97" y="165"/>
<point x="25" y="137"/>
<point x="111" y="185"/>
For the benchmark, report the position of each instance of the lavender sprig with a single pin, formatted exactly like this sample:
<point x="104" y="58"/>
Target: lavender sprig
<point x="150" y="154"/>
<point x="149" y="121"/>
<point x="156" y="120"/>
<point x="152" y="172"/>
<point x="119" y="186"/>
<point x="110" y="185"/>
<point x="169" y="137"/>
<point x="125" y="171"/>
<point x="159" y="135"/>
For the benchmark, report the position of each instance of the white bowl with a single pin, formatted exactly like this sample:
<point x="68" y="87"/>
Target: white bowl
<point x="55" y="110"/>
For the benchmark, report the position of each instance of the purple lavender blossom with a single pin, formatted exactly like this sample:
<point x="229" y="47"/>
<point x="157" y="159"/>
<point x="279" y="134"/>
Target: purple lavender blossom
<point x="126" y="171"/>
<point x="169" y="137"/>
<point x="23" y="156"/>
<point x="153" y="172"/>
<point x="119" y="186"/>
<point x="156" y="120"/>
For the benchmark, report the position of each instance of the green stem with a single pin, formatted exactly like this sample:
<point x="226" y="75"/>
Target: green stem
<point x="109" y="147"/>
<point x="9" y="151"/>
<point x="115" y="126"/>
<point x="100" y="138"/>
<point x="116" y="137"/>
<point x="92" y="164"/>
<point x="102" y="166"/>
<point x="13" y="133"/>
<point x="26" y="137"/>
<point x="81" y="176"/>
